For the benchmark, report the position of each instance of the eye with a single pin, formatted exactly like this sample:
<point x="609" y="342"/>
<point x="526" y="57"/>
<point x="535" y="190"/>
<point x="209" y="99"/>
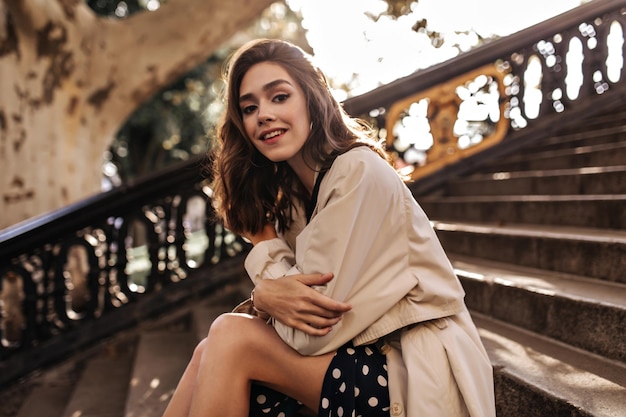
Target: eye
<point x="281" y="97"/>
<point x="248" y="109"/>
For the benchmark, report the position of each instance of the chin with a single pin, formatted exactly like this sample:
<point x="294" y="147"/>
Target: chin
<point x="278" y="158"/>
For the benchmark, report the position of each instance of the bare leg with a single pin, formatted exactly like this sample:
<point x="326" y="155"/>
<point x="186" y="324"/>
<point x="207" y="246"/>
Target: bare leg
<point x="180" y="402"/>
<point x="238" y="350"/>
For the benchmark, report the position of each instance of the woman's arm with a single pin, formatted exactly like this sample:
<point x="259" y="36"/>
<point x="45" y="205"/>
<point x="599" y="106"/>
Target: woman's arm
<point x="291" y="299"/>
<point x="360" y="234"/>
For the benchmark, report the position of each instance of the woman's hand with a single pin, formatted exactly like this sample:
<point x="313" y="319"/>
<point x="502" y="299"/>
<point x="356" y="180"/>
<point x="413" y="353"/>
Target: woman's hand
<point x="292" y="301"/>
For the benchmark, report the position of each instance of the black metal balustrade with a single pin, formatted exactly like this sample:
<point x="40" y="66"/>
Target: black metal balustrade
<point x="69" y="270"/>
<point x="74" y="267"/>
<point x="514" y="88"/>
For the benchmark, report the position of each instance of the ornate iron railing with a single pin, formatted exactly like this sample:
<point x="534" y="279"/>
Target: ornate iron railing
<point x="80" y="264"/>
<point x="514" y="87"/>
<point x="92" y="261"/>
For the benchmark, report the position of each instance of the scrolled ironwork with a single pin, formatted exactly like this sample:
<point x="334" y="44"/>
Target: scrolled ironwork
<point x="556" y="67"/>
<point x="149" y="241"/>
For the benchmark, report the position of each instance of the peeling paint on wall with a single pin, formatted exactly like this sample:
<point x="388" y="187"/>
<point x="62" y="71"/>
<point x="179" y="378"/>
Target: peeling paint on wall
<point x="51" y="43"/>
<point x="100" y="96"/>
<point x="69" y="8"/>
<point x="8" y="38"/>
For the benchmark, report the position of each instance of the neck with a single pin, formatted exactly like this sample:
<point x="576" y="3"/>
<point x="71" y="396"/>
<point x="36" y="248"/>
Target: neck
<point x="305" y="174"/>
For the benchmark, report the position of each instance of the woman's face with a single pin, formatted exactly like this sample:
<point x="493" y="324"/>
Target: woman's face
<point x="274" y="111"/>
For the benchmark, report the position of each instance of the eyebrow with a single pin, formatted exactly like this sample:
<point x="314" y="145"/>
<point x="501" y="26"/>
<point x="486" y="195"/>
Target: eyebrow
<point x="266" y="87"/>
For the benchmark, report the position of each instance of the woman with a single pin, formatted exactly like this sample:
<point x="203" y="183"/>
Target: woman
<point x="360" y="310"/>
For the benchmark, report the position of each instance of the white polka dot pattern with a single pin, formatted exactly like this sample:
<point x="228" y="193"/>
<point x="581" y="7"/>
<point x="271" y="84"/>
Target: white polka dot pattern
<point x="355" y="385"/>
<point x="362" y="371"/>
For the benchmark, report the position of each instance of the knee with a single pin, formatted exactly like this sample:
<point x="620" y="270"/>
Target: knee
<point x="222" y="325"/>
<point x="199" y="350"/>
<point x="231" y="332"/>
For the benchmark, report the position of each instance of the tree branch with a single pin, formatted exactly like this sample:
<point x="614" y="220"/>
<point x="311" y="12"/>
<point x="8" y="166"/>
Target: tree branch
<point x="28" y="15"/>
<point x="152" y="49"/>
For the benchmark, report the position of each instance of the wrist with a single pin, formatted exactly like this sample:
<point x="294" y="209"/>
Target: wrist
<point x="252" y="302"/>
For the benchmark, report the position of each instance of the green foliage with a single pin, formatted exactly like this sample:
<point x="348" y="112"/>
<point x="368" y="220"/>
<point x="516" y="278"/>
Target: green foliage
<point x="172" y="126"/>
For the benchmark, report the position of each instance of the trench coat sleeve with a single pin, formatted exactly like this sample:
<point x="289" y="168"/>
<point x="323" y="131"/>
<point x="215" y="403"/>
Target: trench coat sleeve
<point x="270" y="259"/>
<point x="358" y="232"/>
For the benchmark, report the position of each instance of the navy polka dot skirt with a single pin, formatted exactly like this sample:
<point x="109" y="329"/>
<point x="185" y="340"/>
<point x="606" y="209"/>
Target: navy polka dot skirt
<point x="355" y="385"/>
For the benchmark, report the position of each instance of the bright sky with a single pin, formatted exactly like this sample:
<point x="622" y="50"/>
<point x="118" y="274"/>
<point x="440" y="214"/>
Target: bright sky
<point x="346" y="42"/>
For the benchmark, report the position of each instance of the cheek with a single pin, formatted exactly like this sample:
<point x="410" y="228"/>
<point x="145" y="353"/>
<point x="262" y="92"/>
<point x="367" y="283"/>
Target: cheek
<point x="249" y="128"/>
<point x="256" y="146"/>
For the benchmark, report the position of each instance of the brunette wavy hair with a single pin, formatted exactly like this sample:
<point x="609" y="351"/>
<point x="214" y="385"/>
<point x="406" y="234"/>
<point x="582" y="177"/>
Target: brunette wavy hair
<point x="249" y="189"/>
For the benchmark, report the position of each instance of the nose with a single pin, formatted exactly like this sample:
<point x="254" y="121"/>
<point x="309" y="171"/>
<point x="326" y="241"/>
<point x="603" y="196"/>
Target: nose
<point x="263" y="120"/>
<point x="264" y="115"/>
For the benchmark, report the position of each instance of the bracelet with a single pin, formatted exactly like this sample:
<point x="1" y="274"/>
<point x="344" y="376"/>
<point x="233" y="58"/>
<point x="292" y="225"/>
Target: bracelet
<point x="252" y="302"/>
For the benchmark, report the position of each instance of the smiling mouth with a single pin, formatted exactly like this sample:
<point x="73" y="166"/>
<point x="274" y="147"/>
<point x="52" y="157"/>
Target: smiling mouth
<point x="272" y="134"/>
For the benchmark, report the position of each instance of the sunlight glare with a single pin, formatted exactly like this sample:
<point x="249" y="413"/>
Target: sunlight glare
<point x="358" y="53"/>
<point x="615" y="59"/>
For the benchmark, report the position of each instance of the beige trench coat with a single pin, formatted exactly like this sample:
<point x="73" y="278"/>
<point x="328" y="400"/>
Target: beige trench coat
<point x="389" y="265"/>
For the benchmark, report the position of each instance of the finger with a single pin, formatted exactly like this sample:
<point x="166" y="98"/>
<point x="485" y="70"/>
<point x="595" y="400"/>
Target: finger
<point x="323" y="312"/>
<point x="321" y="322"/>
<point x="314" y="330"/>
<point x="321" y="300"/>
<point x="329" y="307"/>
<point x="312" y="325"/>
<point x="315" y="279"/>
<point x="319" y="305"/>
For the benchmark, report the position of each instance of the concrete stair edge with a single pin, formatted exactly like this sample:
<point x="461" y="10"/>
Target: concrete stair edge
<point x="162" y="356"/>
<point x="574" y="287"/>
<point x="49" y="392"/>
<point x="102" y="388"/>
<point x="165" y="348"/>
<point x="538" y="153"/>
<point x="575" y="310"/>
<point x="586" y="384"/>
<point x="601" y="157"/>
<point x="598" y="171"/>
<point x="565" y="250"/>
<point x="567" y="233"/>
<point x="604" y="213"/>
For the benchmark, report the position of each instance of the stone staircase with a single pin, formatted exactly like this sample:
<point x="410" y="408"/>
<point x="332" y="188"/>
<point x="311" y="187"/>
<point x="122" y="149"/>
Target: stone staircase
<point x="538" y="240"/>
<point x="132" y="374"/>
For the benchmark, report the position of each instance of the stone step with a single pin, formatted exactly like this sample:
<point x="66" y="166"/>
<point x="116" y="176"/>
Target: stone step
<point x="132" y="374"/>
<point x="593" y="253"/>
<point x="536" y="377"/>
<point x="93" y="382"/>
<point x="575" y="310"/>
<point x="613" y="118"/>
<point x="48" y="393"/>
<point x="591" y="211"/>
<point x="102" y="389"/>
<point x="585" y="136"/>
<point x="162" y="356"/>
<point x="608" y="154"/>
<point x="155" y="351"/>
<point x="585" y="181"/>
<point x="166" y="346"/>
